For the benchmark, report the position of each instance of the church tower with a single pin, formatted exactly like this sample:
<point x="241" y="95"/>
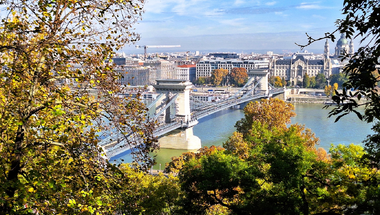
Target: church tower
<point x="341" y="46"/>
<point x="352" y="51"/>
<point x="327" y="49"/>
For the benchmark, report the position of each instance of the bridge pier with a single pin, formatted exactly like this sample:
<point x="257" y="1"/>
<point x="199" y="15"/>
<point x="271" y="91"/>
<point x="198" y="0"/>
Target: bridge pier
<point x="180" y="139"/>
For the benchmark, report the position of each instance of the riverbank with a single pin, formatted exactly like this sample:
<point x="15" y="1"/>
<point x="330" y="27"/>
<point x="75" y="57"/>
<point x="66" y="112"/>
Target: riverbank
<point x="308" y="99"/>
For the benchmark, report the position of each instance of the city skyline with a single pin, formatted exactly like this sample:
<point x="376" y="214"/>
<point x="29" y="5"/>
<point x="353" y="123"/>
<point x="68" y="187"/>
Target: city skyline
<point x="235" y="25"/>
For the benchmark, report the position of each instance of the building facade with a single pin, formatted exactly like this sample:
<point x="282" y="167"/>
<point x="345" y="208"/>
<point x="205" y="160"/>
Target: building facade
<point x="205" y="67"/>
<point x="185" y="72"/>
<point x="134" y="76"/>
<point x="294" y="68"/>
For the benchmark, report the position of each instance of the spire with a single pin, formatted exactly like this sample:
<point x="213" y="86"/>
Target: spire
<point x="352" y="47"/>
<point x="327" y="49"/>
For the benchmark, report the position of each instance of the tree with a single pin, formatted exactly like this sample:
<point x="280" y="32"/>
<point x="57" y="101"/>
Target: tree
<point x="313" y="82"/>
<point x="201" y="80"/>
<point x="283" y="81"/>
<point x="328" y="90"/>
<point x="218" y="75"/>
<point x="239" y="76"/>
<point x="320" y="81"/>
<point x="177" y="162"/>
<point x="338" y="78"/>
<point x="360" y="21"/>
<point x="306" y="81"/>
<point x="144" y="193"/>
<point x="278" y="82"/>
<point x="275" y="112"/>
<point x="334" y="89"/>
<point x="272" y="79"/>
<point x="276" y="169"/>
<point x="215" y="180"/>
<point x="58" y="98"/>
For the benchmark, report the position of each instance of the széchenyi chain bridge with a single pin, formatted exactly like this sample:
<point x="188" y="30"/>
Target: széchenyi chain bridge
<point x="176" y="108"/>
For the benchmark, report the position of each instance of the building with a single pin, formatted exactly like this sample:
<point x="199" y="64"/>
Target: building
<point x="160" y="69"/>
<point x="342" y="47"/>
<point x="134" y="76"/>
<point x="224" y="55"/>
<point x="186" y="72"/>
<point x="294" y="68"/>
<point x="205" y="67"/>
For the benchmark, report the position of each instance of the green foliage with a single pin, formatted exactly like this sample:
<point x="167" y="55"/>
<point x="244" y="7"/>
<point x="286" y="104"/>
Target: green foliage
<point x="306" y="81"/>
<point x="203" y="80"/>
<point x="177" y="162"/>
<point x="313" y="82"/>
<point x="143" y="193"/>
<point x="320" y="81"/>
<point x="57" y="97"/>
<point x="338" y="78"/>
<point x="273" y="168"/>
<point x="215" y="179"/>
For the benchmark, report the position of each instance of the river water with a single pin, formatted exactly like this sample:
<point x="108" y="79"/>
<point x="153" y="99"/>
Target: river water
<point x="216" y="128"/>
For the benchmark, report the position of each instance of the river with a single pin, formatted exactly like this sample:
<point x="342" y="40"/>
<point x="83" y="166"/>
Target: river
<point x="216" y="128"/>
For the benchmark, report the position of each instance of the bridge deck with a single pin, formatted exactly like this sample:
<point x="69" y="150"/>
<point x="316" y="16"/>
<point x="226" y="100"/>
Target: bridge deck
<point x="115" y="148"/>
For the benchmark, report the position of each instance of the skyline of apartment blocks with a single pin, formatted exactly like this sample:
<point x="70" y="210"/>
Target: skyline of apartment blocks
<point x="292" y="67"/>
<point x="205" y="67"/>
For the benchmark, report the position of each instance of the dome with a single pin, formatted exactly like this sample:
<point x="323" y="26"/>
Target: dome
<point x="342" y="42"/>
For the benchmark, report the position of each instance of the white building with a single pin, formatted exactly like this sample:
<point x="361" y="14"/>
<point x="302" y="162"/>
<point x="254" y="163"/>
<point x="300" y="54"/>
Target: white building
<point x="205" y="67"/>
<point x="185" y="72"/>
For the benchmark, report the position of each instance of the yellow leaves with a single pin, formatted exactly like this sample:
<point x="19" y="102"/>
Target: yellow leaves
<point x="31" y="190"/>
<point x="71" y="203"/>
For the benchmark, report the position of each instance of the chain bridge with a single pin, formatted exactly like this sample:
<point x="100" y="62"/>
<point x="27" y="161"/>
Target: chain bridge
<point x="177" y="107"/>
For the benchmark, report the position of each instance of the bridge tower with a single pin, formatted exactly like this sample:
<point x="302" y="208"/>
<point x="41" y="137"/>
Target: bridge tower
<point x="177" y="99"/>
<point x="260" y="75"/>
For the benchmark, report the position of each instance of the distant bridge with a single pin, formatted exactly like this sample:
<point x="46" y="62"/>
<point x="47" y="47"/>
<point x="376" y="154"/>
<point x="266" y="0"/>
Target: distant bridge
<point x="175" y="108"/>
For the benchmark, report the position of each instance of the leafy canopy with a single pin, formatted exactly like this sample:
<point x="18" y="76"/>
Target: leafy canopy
<point x="58" y="98"/>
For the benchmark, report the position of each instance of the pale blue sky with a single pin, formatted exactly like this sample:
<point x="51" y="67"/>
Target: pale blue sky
<point x="240" y="25"/>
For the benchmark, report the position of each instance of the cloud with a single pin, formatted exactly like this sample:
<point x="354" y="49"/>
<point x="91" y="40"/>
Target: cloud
<point x="158" y="6"/>
<point x="319" y="17"/>
<point x="232" y="22"/>
<point x="160" y="20"/>
<point x="305" y="26"/>
<point x="179" y="7"/>
<point x="280" y="13"/>
<point x="253" y="10"/>
<point x="310" y="5"/>
<point x="239" y="2"/>
<point x="271" y="3"/>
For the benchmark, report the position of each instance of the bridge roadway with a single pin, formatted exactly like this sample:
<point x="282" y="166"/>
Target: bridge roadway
<point x="114" y="148"/>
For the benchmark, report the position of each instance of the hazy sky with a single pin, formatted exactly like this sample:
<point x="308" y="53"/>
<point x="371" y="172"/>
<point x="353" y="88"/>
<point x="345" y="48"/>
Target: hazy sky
<point x="240" y="25"/>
